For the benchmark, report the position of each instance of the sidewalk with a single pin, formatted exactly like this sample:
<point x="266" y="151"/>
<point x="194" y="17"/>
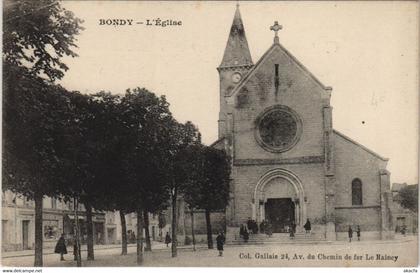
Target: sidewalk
<point x="49" y="251"/>
<point x="162" y="246"/>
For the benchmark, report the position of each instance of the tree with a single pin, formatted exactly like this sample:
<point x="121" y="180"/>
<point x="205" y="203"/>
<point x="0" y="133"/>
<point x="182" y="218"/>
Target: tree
<point x="178" y="165"/>
<point x="195" y="175"/>
<point x="101" y="147"/>
<point x="37" y="34"/>
<point x="147" y="122"/>
<point x="34" y="118"/>
<point x="213" y="189"/>
<point x="408" y="197"/>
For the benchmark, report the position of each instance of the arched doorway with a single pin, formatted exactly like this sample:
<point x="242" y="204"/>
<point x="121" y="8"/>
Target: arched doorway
<point x="279" y="199"/>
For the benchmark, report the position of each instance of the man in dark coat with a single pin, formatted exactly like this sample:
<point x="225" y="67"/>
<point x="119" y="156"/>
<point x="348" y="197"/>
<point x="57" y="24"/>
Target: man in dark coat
<point x="242" y="231"/>
<point x="246" y="235"/>
<point x="358" y="232"/>
<point x="307" y="226"/>
<point x="60" y="247"/>
<point x="262" y="226"/>
<point x="249" y="225"/>
<point x="350" y="231"/>
<point x="268" y="229"/>
<point x="220" y="240"/>
<point x="168" y="239"/>
<point x="292" y="230"/>
<point x="294" y="227"/>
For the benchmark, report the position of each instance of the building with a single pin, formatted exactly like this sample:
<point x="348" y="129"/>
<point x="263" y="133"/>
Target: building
<point x="288" y="163"/>
<point x="18" y="222"/>
<point x="114" y="228"/>
<point x="402" y="217"/>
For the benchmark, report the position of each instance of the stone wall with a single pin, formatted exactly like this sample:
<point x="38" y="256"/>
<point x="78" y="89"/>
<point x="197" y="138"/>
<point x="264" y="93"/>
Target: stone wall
<point x="246" y="178"/>
<point x="297" y="91"/>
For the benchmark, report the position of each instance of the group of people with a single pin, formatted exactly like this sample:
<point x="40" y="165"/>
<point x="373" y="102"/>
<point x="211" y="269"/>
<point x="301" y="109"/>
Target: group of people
<point x="251" y="227"/>
<point x="350" y="232"/>
<point x="220" y="241"/>
<point x="60" y="247"/>
<point x="402" y="229"/>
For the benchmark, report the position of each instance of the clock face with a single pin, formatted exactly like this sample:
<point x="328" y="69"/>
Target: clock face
<point x="236" y="77"/>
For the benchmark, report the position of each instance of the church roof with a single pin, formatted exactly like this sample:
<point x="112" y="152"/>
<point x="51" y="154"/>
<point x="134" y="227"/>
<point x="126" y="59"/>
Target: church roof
<point x="237" y="51"/>
<point x="218" y="142"/>
<point x="360" y="145"/>
<point x="398" y="186"/>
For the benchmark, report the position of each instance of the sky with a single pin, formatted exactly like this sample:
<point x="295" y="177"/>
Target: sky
<point x="366" y="51"/>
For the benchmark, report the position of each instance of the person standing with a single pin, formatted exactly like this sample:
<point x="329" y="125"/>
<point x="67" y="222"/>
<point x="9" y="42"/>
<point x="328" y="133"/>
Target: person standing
<point x="220" y="240"/>
<point x="358" y="232"/>
<point x="249" y="225"/>
<point x="60" y="247"/>
<point x="262" y="226"/>
<point x="307" y="226"/>
<point x="242" y="231"/>
<point x="168" y="239"/>
<point x="292" y="230"/>
<point x="246" y="235"/>
<point x="350" y="231"/>
<point x="268" y="229"/>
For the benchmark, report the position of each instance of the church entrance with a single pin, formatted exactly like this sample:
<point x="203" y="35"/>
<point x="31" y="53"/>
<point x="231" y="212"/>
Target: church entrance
<point x="280" y="212"/>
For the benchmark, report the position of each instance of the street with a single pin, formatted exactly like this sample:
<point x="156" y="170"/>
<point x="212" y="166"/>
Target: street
<point x="363" y="254"/>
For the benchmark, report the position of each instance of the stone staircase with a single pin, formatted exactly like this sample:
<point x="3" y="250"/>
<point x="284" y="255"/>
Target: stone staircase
<point x="280" y="238"/>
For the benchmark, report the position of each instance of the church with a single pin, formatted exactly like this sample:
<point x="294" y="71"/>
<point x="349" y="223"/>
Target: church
<point x="289" y="165"/>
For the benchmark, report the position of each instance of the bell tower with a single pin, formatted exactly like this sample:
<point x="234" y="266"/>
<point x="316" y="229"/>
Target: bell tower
<point x="235" y="65"/>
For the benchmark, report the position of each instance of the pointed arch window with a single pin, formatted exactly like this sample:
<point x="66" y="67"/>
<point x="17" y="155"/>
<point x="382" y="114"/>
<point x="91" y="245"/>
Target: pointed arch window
<point x="243" y="98"/>
<point x="356" y="192"/>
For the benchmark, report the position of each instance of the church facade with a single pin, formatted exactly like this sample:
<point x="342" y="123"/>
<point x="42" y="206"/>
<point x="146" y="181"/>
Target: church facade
<point x="288" y="163"/>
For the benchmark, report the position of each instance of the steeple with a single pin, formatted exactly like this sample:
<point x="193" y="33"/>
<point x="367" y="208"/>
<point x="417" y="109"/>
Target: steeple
<point x="237" y="50"/>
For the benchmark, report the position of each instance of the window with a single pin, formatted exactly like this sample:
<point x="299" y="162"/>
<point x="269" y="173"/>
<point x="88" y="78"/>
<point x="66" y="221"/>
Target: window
<point x="242" y="99"/>
<point x="53" y="203"/>
<point x="51" y="230"/>
<point x="356" y="192"/>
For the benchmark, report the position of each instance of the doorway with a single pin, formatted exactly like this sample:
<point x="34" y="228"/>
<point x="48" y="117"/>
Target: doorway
<point x="280" y="212"/>
<point x="25" y="234"/>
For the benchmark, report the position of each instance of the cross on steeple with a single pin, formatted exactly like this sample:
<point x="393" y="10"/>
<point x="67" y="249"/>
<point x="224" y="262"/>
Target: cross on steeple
<point x="276" y="27"/>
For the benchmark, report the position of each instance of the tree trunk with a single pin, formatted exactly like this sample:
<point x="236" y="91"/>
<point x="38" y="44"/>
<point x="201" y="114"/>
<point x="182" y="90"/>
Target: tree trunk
<point x="38" y="230"/>
<point x="174" y="223"/>
<point x="77" y="233"/>
<point x="192" y="229"/>
<point x="147" y="233"/>
<point x="89" y="229"/>
<point x="139" y="237"/>
<point x="209" y="235"/>
<point x="123" y="233"/>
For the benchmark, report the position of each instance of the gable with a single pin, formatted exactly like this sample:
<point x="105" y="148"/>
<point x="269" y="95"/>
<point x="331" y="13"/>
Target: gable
<point x="278" y="80"/>
<point x="288" y="59"/>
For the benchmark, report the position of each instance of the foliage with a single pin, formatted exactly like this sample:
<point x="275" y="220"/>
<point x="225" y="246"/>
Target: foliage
<point x="408" y="197"/>
<point x="37" y="34"/>
<point x="209" y="179"/>
<point x="147" y="132"/>
<point x="35" y="118"/>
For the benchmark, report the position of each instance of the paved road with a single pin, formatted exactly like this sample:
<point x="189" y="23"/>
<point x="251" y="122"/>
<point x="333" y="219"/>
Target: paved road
<point x="399" y="253"/>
